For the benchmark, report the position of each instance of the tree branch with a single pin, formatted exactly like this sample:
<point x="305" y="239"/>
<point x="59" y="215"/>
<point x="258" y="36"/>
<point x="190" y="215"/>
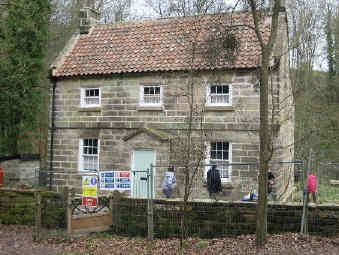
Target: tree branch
<point x="256" y="22"/>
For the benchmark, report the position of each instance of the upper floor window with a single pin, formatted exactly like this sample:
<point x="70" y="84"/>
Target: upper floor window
<point x="151" y="95"/>
<point x="219" y="95"/>
<point x="90" y="97"/>
<point x="219" y="153"/>
<point x="89" y="154"/>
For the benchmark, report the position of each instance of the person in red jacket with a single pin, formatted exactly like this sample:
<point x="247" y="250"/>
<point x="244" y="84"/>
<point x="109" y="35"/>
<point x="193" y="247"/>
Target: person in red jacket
<point x="312" y="187"/>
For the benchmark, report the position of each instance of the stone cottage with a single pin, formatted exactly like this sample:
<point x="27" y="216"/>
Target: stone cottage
<point x="118" y="99"/>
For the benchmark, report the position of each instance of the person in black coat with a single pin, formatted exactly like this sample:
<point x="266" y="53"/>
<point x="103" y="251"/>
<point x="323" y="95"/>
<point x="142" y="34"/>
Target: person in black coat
<point x="213" y="181"/>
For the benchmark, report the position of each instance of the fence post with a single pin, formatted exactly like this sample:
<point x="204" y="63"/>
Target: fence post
<point x="150" y="203"/>
<point x="37" y="218"/>
<point x="303" y="229"/>
<point x="68" y="199"/>
<point x="37" y="207"/>
<point x="114" y="202"/>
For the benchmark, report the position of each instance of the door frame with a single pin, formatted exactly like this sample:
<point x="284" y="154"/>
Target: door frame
<point x="154" y="172"/>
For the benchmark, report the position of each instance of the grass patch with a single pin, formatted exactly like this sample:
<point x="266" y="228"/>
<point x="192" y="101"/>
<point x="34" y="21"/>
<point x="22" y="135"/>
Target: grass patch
<point x="326" y="193"/>
<point x="201" y="244"/>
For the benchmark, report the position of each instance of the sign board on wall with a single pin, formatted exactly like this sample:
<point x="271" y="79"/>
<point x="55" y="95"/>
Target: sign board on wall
<point x="115" y="180"/>
<point x="89" y="190"/>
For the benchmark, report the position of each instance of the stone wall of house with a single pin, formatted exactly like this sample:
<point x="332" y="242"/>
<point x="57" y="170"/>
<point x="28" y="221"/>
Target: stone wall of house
<point x="120" y="102"/>
<point x="120" y="115"/>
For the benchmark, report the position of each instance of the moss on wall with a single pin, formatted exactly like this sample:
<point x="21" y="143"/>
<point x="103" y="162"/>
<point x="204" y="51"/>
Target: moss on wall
<point x="17" y="207"/>
<point x="209" y="220"/>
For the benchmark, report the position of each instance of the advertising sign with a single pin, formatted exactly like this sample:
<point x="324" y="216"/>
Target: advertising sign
<point x="89" y="190"/>
<point x="115" y="180"/>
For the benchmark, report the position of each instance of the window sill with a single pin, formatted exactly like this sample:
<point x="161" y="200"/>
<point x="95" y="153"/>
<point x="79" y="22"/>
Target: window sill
<point x="150" y="108"/>
<point x="219" y="108"/>
<point x="226" y="185"/>
<point x="90" y="109"/>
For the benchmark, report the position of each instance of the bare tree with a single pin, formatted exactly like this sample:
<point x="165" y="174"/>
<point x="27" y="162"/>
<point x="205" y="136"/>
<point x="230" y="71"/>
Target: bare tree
<point x="115" y="10"/>
<point x="166" y="8"/>
<point x="188" y="146"/>
<point x="267" y="48"/>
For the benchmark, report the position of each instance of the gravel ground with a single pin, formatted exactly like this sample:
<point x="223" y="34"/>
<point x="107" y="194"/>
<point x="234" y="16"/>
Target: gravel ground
<point x="18" y="240"/>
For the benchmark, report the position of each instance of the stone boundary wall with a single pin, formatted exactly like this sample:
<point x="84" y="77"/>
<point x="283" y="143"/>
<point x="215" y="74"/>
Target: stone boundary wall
<point x="208" y="220"/>
<point x="17" y="207"/>
<point x="205" y="219"/>
<point x="19" y="170"/>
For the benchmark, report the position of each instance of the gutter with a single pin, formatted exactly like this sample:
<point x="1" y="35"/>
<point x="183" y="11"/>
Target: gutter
<point x="51" y="149"/>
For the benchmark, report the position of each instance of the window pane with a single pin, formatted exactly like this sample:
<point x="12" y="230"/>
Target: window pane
<point x="225" y="155"/>
<point x="213" y="89"/>
<point x="151" y="95"/>
<point x="219" y="89"/>
<point x="225" y="89"/>
<point x="222" y="167"/>
<point x="213" y="146"/>
<point x="90" y="154"/>
<point x="225" y="146"/>
<point x="157" y="90"/>
<point x="213" y="154"/>
<point x="92" y="96"/>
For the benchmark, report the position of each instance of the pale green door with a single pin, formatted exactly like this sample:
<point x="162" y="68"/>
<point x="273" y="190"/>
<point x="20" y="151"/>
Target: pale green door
<point x="142" y="160"/>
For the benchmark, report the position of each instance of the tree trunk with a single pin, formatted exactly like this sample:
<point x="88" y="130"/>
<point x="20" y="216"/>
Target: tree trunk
<point x="261" y="224"/>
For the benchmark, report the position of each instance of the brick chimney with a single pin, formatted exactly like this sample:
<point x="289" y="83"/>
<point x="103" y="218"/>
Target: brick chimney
<point x="88" y="16"/>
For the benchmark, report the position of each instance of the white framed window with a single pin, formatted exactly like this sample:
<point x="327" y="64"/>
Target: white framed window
<point x="90" y="97"/>
<point x="220" y="154"/>
<point x="89" y="150"/>
<point x="219" y="95"/>
<point x="151" y="95"/>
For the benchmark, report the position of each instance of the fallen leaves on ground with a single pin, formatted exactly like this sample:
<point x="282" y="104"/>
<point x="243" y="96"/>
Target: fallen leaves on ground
<point x="18" y="240"/>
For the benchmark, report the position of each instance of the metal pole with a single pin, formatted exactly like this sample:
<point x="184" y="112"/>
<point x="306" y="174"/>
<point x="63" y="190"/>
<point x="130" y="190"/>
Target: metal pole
<point x="148" y="206"/>
<point x="151" y="203"/>
<point x="303" y="229"/>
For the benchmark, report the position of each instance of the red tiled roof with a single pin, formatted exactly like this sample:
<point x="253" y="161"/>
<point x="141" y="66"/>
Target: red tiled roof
<point x="160" y="45"/>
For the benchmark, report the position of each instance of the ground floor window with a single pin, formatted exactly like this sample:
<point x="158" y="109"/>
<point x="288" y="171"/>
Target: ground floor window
<point x="219" y="153"/>
<point x="89" y="154"/>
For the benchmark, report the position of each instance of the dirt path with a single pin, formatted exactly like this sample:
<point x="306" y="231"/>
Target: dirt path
<point x="17" y="240"/>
